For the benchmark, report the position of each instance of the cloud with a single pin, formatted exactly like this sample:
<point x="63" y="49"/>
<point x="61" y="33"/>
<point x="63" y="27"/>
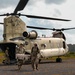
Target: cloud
<point x="54" y="1"/>
<point x="57" y="13"/>
<point x="48" y="8"/>
<point x="5" y="3"/>
<point x="70" y="38"/>
<point x="32" y="2"/>
<point x="8" y="3"/>
<point x="1" y="32"/>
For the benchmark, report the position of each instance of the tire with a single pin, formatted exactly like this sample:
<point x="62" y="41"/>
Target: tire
<point x="58" y="60"/>
<point x="39" y="60"/>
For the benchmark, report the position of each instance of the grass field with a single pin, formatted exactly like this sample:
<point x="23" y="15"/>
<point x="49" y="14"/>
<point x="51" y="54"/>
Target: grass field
<point x="69" y="55"/>
<point x="1" y="56"/>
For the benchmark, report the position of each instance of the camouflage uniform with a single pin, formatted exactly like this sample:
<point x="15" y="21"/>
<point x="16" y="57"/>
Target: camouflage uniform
<point x="34" y="57"/>
<point x="20" y="50"/>
<point x="7" y="56"/>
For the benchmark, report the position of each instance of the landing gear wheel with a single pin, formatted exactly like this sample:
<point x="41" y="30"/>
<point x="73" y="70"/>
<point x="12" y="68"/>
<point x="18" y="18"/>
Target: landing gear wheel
<point x="58" y="60"/>
<point x="39" y="60"/>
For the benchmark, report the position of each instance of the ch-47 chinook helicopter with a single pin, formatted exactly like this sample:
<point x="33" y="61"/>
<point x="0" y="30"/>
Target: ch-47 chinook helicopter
<point x="15" y="33"/>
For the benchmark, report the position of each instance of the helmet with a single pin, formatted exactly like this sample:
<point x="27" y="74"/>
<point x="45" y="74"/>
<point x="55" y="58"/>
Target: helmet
<point x="35" y="44"/>
<point x="22" y="44"/>
<point x="7" y="48"/>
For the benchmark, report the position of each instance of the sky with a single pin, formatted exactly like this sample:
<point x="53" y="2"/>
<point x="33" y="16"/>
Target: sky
<point x="49" y="8"/>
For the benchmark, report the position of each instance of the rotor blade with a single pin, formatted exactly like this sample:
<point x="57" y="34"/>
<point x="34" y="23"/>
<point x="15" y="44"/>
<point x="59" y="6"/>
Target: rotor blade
<point x="1" y="23"/>
<point x="57" y="29"/>
<point x="67" y="28"/>
<point x="62" y="29"/>
<point x="2" y="15"/>
<point x="32" y="16"/>
<point x="41" y="17"/>
<point x="39" y="28"/>
<point x="13" y="14"/>
<point x="21" y="5"/>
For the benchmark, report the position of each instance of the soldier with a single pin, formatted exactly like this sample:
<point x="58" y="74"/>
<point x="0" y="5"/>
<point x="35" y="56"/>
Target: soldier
<point x="34" y="57"/>
<point x="21" y="50"/>
<point x="7" y="56"/>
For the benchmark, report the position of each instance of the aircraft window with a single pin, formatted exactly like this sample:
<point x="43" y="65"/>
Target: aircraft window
<point x="55" y="44"/>
<point x="43" y="45"/>
<point x="64" y="46"/>
<point x="49" y="41"/>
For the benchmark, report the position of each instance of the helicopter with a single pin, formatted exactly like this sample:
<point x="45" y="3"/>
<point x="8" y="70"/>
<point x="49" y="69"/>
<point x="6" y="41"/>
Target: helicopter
<point x="15" y="33"/>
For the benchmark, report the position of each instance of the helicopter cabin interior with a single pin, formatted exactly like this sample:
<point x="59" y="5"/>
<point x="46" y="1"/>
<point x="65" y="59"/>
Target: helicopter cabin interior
<point x="11" y="50"/>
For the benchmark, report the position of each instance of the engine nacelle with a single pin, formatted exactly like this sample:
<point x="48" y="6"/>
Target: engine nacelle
<point x="31" y="35"/>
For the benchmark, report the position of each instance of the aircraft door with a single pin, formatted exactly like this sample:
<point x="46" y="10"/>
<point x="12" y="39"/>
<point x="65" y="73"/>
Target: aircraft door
<point x="12" y="51"/>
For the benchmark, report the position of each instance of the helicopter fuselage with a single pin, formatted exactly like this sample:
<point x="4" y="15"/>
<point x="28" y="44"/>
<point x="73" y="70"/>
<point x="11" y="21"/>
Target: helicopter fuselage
<point x="48" y="46"/>
<point x="13" y="35"/>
